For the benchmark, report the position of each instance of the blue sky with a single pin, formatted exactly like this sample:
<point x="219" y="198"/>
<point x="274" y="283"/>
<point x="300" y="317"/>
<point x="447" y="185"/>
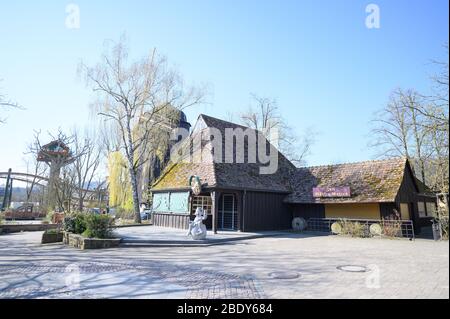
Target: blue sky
<point x="317" y="58"/>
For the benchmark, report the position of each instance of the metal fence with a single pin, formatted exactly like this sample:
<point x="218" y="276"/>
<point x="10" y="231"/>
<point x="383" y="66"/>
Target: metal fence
<point x="390" y="228"/>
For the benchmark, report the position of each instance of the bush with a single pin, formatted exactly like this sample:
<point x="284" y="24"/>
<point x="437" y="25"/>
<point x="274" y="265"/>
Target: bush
<point x="443" y="223"/>
<point x="98" y="226"/>
<point x="391" y="227"/>
<point x="353" y="229"/>
<point x="75" y="224"/>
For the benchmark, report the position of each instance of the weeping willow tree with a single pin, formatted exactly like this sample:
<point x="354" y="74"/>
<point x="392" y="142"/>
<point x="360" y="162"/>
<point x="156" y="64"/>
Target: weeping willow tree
<point x="155" y="155"/>
<point x="120" y="193"/>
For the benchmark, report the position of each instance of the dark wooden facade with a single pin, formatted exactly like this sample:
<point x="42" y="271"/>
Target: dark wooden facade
<point x="256" y="211"/>
<point x="308" y="210"/>
<point x="410" y="193"/>
<point x="265" y="211"/>
<point x="180" y="221"/>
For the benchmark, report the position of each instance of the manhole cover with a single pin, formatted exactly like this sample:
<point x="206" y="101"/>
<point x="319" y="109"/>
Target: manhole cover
<point x="352" y="268"/>
<point x="284" y="275"/>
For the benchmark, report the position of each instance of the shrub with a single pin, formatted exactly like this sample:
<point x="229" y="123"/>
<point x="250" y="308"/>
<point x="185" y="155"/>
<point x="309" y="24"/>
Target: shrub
<point x="353" y="229"/>
<point x="391" y="227"/>
<point x="75" y="224"/>
<point x="98" y="226"/>
<point x="443" y="223"/>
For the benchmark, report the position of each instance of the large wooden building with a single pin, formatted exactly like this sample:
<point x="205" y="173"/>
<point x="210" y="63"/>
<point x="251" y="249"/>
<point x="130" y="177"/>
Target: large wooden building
<point x="239" y="198"/>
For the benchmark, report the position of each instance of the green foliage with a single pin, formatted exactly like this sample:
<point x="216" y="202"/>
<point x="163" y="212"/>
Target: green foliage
<point x="120" y="193"/>
<point x="98" y="226"/>
<point x="75" y="224"/>
<point x="89" y="225"/>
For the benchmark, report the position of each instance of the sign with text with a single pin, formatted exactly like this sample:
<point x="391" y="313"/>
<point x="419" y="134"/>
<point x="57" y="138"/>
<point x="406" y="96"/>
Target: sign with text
<point x="331" y="191"/>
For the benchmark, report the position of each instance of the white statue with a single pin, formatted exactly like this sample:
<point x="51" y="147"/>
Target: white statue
<point x="196" y="228"/>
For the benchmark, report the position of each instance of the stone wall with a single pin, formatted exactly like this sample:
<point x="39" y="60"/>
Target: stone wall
<point x="80" y="242"/>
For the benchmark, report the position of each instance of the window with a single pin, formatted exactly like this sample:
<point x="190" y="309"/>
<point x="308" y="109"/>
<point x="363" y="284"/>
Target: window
<point x="204" y="202"/>
<point x="431" y="209"/>
<point x="179" y="202"/>
<point x="161" y="202"/>
<point x="176" y="202"/>
<point x="404" y="211"/>
<point x="421" y="209"/>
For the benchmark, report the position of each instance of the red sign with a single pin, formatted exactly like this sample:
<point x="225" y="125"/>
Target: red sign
<point x="331" y="192"/>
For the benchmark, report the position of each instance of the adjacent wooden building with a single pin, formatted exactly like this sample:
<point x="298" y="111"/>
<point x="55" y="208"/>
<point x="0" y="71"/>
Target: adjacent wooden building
<point x="380" y="189"/>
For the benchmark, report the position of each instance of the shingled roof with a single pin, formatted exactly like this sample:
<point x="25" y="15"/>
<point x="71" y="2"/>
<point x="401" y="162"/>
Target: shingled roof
<point x="370" y="181"/>
<point x="225" y="175"/>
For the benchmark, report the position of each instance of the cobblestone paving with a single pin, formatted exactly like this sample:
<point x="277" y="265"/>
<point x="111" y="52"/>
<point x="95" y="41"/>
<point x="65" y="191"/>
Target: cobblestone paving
<point x="196" y="284"/>
<point x="396" y="269"/>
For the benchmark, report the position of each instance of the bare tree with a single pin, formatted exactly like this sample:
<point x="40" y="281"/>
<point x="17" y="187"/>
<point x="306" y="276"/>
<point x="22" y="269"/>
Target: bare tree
<point x="65" y="188"/>
<point x="58" y="188"/>
<point x="128" y="91"/>
<point x="100" y="192"/>
<point x="86" y="165"/>
<point x="417" y="126"/>
<point x="38" y="170"/>
<point x="401" y="130"/>
<point x="437" y="114"/>
<point x="264" y="115"/>
<point x="392" y="129"/>
<point x="6" y="103"/>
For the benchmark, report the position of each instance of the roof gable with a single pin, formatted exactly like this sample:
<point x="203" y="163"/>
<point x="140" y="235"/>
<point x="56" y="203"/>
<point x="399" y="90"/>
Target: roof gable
<point x="220" y="174"/>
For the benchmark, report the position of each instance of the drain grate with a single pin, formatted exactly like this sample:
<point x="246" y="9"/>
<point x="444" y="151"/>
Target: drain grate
<point x="284" y="275"/>
<point x="352" y="268"/>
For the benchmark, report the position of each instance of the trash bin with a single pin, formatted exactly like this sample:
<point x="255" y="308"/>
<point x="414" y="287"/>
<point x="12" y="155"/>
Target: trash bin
<point x="436" y="230"/>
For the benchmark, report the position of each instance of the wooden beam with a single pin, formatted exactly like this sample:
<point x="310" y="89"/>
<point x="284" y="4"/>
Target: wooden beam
<point x="215" y="210"/>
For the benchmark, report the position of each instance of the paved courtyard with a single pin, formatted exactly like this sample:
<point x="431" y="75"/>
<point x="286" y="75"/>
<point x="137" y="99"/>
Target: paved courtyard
<point x="287" y="266"/>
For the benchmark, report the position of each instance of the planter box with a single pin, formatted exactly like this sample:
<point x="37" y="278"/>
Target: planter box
<point x="80" y="242"/>
<point x="51" y="238"/>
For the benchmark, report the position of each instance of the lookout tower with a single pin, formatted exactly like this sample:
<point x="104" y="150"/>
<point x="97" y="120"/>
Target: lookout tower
<point x="56" y="155"/>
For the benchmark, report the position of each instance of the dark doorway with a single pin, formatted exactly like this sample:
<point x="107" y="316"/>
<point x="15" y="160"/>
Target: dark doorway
<point x="228" y="212"/>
